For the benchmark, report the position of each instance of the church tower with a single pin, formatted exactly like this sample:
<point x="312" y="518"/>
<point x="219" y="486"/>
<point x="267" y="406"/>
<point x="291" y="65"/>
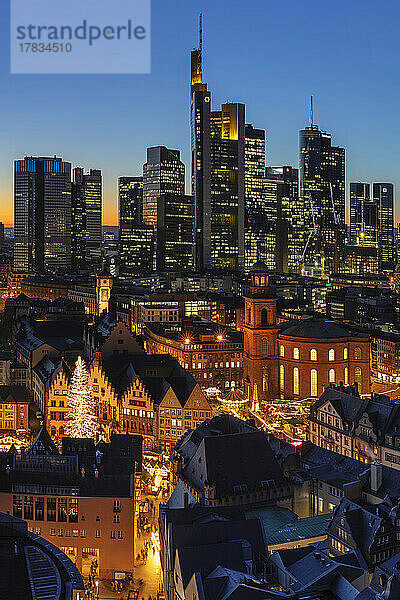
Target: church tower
<point x="260" y="358"/>
<point x="104" y="283"/>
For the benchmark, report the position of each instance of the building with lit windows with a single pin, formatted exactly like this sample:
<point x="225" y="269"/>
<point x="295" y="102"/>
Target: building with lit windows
<point x="322" y="194"/>
<point x="87" y="199"/>
<point x="42" y="215"/>
<point x="298" y="358"/>
<point x="218" y="176"/>
<point x="77" y="499"/>
<point x="383" y="194"/>
<point x="363" y="216"/>
<point x="163" y="173"/>
<point x="14" y="409"/>
<point x="136" y="239"/>
<point x="175" y="233"/>
<point x="256" y="224"/>
<point x="286" y="212"/>
<point x="213" y="355"/>
<point x="362" y="427"/>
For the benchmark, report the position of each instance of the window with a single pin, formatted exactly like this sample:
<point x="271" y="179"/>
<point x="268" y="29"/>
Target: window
<point x="345" y="354"/>
<point x="112" y="535"/>
<point x="282" y="377"/>
<point x="296" y="381"/>
<point x="331" y="354"/>
<point x="357" y="353"/>
<point x="265" y="347"/>
<point x="116" y="518"/>
<point x="313" y="355"/>
<point x="52" y="531"/>
<point x="314" y="382"/>
<point x="357" y="375"/>
<point x="97" y="534"/>
<point x="296" y="353"/>
<point x="282" y="350"/>
<point x="332" y="376"/>
<point x="346" y="375"/>
<point x="120" y="535"/>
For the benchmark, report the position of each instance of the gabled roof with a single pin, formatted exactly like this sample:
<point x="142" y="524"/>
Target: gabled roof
<point x="240" y="459"/>
<point x="43" y="444"/>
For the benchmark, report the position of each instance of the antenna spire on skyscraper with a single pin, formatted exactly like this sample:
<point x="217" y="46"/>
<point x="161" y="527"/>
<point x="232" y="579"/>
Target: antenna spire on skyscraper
<point x="312" y="111"/>
<point x="201" y="32"/>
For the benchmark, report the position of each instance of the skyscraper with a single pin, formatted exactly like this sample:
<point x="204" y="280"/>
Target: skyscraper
<point x="175" y="233"/>
<point x="136" y="239"/>
<point x="363" y="216"/>
<point x="163" y="173"/>
<point x="87" y="197"/>
<point x="218" y="167"/>
<point x="42" y="215"/>
<point x="283" y="205"/>
<point x="322" y="194"/>
<point x="383" y="198"/>
<point x="256" y="224"/>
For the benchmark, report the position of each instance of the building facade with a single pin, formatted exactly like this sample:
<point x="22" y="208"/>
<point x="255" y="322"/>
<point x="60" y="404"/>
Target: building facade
<point x="42" y="214"/>
<point x="87" y="200"/>
<point x="299" y="358"/>
<point x="322" y="194"/>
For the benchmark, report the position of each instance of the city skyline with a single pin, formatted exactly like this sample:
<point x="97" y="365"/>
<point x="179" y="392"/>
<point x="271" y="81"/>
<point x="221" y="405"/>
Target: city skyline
<point x="111" y="131"/>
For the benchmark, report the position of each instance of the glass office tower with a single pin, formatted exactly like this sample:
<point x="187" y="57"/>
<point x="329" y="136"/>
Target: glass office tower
<point x="383" y="195"/>
<point x="136" y="239"/>
<point x="322" y="194"/>
<point x="218" y="174"/>
<point x="42" y="215"/>
<point x="363" y="216"/>
<point x="87" y="200"/>
<point x="175" y="233"/>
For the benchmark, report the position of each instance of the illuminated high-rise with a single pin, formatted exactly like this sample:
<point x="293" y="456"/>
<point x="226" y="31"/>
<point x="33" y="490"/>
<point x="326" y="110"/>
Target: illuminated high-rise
<point x="163" y="173"/>
<point x="136" y="239"/>
<point x="257" y="228"/>
<point x="322" y="194"/>
<point x="285" y="210"/>
<point x="87" y="199"/>
<point x="363" y="216"/>
<point x="42" y="215"/>
<point x="175" y="233"/>
<point x="384" y="199"/>
<point x="218" y="174"/>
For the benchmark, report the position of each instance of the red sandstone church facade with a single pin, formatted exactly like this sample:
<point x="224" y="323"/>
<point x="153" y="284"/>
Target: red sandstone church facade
<point x="296" y="359"/>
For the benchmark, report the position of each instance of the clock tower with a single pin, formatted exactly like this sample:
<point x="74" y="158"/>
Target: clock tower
<point x="104" y="283"/>
<point x="260" y="357"/>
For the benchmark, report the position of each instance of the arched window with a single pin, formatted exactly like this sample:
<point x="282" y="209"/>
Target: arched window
<point x="296" y="381"/>
<point x="61" y="431"/>
<point x="262" y="280"/>
<point x="265" y="347"/>
<point x="282" y="378"/>
<point x="357" y="376"/>
<point x="345" y="353"/>
<point x="314" y="382"/>
<point x="332" y="376"/>
<point x="233" y="383"/>
<point x="265" y="379"/>
<point x="282" y="350"/>
<point x="264" y="317"/>
<point x="313" y="354"/>
<point x="346" y="376"/>
<point x="53" y="432"/>
<point x="357" y="353"/>
<point x="296" y="353"/>
<point x="331" y="354"/>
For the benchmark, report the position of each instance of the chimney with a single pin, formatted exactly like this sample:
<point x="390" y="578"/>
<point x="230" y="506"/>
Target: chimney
<point x="376" y="476"/>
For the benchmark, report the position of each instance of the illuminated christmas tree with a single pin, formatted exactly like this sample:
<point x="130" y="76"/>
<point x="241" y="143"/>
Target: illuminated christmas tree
<point x="82" y="420"/>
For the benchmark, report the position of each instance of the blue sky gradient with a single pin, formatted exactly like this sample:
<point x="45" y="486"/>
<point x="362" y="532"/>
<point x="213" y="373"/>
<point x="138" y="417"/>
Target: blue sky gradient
<point x="271" y="56"/>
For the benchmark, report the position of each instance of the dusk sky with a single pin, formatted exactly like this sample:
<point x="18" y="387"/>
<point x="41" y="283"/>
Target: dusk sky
<point x="269" y="55"/>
